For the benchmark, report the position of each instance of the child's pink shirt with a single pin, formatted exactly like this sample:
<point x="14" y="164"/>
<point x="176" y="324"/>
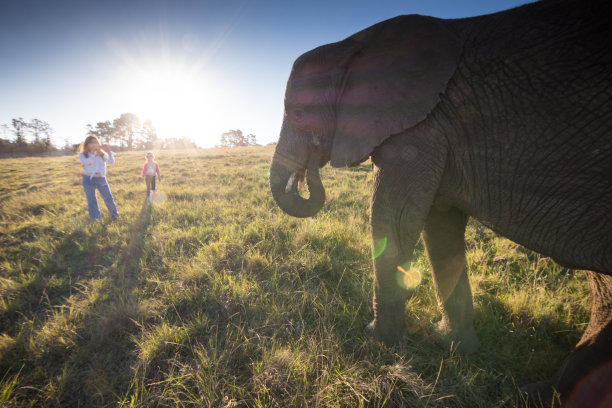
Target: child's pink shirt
<point x="154" y="170"/>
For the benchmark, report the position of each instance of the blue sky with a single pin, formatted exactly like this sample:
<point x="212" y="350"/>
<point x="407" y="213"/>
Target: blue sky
<point x="195" y="68"/>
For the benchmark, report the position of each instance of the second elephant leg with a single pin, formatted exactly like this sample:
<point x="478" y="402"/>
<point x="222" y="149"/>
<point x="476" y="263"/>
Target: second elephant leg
<point x="399" y="208"/>
<point x="408" y="168"/>
<point x="444" y="235"/>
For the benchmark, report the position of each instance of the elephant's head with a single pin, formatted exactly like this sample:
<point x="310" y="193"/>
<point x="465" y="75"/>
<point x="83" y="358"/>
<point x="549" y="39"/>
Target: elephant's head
<point x="344" y="99"/>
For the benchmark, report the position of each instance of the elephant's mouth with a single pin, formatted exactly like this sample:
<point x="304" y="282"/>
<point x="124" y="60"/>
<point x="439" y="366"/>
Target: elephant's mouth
<point x="291" y="182"/>
<point x="286" y="186"/>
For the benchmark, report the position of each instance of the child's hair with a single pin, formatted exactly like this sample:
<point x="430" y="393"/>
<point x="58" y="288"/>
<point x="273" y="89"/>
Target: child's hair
<point x="149" y="154"/>
<point x="88" y="139"/>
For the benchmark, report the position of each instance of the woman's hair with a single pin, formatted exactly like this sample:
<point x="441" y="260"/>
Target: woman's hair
<point x="88" y="139"/>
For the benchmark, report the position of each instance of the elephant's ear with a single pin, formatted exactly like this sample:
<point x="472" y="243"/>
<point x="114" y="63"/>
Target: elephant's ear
<point x="391" y="83"/>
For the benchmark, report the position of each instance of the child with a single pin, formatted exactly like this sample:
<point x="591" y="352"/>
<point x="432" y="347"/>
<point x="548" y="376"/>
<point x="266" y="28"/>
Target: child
<point x="94" y="161"/>
<point x="150" y="169"/>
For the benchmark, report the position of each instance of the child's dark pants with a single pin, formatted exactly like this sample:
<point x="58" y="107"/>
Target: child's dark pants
<point x="150" y="180"/>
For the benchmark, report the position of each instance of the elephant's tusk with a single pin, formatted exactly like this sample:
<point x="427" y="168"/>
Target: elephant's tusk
<point x="290" y="182"/>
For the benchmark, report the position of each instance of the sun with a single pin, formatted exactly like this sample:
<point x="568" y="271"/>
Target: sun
<point x="179" y="102"/>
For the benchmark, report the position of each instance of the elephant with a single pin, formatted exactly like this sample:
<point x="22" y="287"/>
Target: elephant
<point x="505" y="118"/>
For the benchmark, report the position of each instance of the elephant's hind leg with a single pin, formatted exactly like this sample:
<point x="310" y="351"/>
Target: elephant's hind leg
<point x="585" y="377"/>
<point x="444" y="241"/>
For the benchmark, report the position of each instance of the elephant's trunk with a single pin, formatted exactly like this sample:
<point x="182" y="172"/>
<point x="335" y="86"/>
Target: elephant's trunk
<point x="284" y="186"/>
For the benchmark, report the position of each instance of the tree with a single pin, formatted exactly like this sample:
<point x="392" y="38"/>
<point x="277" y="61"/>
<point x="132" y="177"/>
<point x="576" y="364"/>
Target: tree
<point x="104" y="131"/>
<point x="251" y="139"/>
<point x="126" y="127"/>
<point x="19" y="126"/>
<point x="234" y="138"/>
<point x="41" y="128"/>
<point x="5" y="130"/>
<point x="47" y="133"/>
<point x="149" y="133"/>
<point x="37" y="126"/>
<point x="126" y="132"/>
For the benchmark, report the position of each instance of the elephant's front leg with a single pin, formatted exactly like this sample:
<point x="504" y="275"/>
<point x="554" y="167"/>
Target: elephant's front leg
<point x="444" y="235"/>
<point x="406" y="178"/>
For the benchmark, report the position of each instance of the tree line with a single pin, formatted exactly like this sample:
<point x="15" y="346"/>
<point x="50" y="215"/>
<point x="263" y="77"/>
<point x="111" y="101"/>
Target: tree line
<point x="126" y="132"/>
<point x="32" y="137"/>
<point x="123" y="133"/>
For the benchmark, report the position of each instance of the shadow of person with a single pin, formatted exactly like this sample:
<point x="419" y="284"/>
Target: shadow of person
<point x="129" y="258"/>
<point x="111" y="326"/>
<point x="102" y="311"/>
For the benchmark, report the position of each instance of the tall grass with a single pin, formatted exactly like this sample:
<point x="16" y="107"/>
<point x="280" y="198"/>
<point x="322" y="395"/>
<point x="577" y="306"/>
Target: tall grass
<point x="215" y="298"/>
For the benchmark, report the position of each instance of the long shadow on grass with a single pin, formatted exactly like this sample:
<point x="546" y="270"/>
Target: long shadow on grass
<point x="531" y="347"/>
<point x="75" y="260"/>
<point x="101" y="369"/>
<point x="92" y="368"/>
<point x="525" y="347"/>
<point x="36" y="298"/>
<point x="236" y="331"/>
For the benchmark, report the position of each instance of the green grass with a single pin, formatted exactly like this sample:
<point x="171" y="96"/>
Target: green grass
<point x="215" y="298"/>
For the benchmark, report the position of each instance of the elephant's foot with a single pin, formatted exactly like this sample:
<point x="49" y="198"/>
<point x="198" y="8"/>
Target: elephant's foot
<point x="388" y="332"/>
<point x="465" y="341"/>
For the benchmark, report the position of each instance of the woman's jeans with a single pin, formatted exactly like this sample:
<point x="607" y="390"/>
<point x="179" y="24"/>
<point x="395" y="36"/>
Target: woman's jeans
<point x="90" y="185"/>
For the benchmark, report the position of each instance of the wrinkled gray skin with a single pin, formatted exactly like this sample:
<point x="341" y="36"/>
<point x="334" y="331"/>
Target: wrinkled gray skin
<point x="506" y="118"/>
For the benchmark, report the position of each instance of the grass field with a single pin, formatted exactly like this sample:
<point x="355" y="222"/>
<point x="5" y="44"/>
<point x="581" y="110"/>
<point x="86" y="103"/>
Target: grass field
<point x="215" y="298"/>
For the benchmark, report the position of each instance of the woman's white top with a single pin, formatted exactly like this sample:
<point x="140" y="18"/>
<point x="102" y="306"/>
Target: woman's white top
<point x="96" y="165"/>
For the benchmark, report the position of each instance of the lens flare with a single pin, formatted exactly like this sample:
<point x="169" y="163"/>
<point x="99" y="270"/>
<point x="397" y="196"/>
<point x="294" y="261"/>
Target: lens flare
<point x="594" y="390"/>
<point x="408" y="277"/>
<point x="157" y="197"/>
<point x="379" y="247"/>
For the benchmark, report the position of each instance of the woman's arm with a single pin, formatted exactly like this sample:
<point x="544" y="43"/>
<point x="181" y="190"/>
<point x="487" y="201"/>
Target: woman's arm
<point x="108" y="157"/>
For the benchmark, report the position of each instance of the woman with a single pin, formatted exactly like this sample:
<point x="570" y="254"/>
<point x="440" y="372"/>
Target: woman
<point x="94" y="161"/>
